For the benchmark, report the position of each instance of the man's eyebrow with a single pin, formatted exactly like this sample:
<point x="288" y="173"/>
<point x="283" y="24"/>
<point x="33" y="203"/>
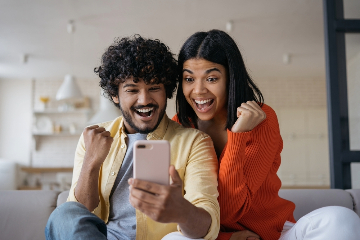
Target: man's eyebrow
<point x="129" y="85"/>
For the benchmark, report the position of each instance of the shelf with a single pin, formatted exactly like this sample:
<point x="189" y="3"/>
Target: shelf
<point x="29" y="188"/>
<point x="65" y="134"/>
<point x="45" y="170"/>
<point x="36" y="136"/>
<point x="55" y="111"/>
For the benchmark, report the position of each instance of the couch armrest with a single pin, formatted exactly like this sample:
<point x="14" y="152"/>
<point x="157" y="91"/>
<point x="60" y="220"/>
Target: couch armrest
<point x="307" y="200"/>
<point x="355" y="194"/>
<point x="24" y="213"/>
<point x="62" y="198"/>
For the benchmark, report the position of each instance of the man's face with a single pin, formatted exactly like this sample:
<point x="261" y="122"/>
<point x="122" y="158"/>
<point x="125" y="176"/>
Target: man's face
<point x="143" y="106"/>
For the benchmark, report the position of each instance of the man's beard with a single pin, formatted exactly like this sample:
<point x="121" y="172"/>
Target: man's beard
<point x="147" y="130"/>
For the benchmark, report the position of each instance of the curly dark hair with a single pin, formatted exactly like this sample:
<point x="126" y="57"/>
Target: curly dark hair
<point x="140" y="58"/>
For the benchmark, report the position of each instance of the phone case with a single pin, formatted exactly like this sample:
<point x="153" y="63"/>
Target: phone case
<point x="152" y="161"/>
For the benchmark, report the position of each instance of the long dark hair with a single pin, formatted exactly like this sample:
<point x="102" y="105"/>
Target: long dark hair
<point x="218" y="47"/>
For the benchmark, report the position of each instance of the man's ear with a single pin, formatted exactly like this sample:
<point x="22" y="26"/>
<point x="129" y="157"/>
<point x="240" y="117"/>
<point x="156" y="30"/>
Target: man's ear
<point x="115" y="99"/>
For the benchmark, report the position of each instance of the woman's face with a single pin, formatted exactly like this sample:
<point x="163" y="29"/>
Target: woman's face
<point x="204" y="85"/>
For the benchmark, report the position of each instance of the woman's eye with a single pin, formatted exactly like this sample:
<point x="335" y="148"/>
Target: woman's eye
<point x="188" y="79"/>
<point x="211" y="79"/>
<point x="154" y="89"/>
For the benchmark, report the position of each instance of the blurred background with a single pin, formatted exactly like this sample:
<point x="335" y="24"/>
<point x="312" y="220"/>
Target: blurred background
<point x="49" y="92"/>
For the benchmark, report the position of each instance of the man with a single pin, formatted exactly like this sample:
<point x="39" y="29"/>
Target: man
<point x="105" y="202"/>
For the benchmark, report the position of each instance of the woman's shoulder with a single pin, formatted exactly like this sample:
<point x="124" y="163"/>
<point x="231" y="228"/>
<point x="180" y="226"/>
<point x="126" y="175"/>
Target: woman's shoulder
<point x="271" y="117"/>
<point x="175" y="118"/>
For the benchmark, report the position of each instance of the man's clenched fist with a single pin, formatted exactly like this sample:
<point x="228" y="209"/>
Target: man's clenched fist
<point x="97" y="144"/>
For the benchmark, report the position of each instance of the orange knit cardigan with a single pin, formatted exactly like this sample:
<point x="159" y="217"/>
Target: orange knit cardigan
<point x="248" y="184"/>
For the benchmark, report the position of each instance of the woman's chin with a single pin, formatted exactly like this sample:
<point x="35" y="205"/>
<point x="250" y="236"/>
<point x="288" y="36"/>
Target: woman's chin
<point x="204" y="116"/>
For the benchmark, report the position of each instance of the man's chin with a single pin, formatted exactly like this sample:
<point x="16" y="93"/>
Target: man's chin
<point x="144" y="127"/>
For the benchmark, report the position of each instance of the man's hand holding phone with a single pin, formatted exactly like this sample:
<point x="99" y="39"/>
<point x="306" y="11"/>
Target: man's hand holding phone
<point x="155" y="197"/>
<point x="162" y="203"/>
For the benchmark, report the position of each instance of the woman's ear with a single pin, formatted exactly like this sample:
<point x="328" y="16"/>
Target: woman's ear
<point x="115" y="99"/>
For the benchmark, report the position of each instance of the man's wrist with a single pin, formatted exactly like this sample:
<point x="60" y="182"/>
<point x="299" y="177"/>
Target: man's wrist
<point x="197" y="222"/>
<point x="91" y="165"/>
<point x="186" y="211"/>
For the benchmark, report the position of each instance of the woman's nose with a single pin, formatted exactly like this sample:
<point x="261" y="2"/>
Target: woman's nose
<point x="199" y="88"/>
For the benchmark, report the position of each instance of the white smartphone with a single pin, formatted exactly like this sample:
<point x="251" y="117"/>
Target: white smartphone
<point x="152" y="161"/>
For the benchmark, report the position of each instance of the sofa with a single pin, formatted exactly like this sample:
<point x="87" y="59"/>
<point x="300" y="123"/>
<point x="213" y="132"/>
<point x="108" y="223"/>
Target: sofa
<point x="24" y="213"/>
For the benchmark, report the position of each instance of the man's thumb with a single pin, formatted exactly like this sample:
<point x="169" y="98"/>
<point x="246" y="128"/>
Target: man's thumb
<point x="176" y="180"/>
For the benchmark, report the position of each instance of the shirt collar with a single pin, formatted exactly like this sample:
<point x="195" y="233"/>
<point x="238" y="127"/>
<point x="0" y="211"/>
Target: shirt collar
<point x="158" y="133"/>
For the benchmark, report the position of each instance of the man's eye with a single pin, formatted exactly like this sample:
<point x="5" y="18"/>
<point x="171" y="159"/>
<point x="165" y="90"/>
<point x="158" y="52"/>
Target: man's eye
<point x="154" y="89"/>
<point x="131" y="91"/>
<point x="187" y="79"/>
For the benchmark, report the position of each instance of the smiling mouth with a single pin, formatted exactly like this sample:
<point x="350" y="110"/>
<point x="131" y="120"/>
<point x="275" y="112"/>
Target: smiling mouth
<point x="203" y="105"/>
<point x="145" y="112"/>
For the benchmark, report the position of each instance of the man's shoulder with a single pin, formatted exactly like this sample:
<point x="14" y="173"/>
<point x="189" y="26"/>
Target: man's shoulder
<point x="112" y="126"/>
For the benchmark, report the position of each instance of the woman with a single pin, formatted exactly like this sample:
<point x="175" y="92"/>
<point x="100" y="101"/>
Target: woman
<point x="217" y="96"/>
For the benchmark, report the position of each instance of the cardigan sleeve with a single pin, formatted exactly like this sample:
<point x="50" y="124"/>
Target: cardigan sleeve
<point x="244" y="166"/>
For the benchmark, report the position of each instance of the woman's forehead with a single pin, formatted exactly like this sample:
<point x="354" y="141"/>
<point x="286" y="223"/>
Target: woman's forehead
<point x="202" y="65"/>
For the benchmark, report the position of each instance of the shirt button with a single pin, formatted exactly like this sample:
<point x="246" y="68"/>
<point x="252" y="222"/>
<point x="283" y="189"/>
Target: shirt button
<point x="112" y="173"/>
<point x="122" y="146"/>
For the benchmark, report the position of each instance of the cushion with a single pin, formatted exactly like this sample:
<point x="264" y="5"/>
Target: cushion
<point x="308" y="200"/>
<point x="24" y="213"/>
<point x="355" y="194"/>
<point x="62" y="197"/>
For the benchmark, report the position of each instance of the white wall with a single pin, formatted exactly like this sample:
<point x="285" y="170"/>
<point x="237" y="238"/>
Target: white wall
<point x="15" y="120"/>
<point x="300" y="104"/>
<point x="353" y="81"/>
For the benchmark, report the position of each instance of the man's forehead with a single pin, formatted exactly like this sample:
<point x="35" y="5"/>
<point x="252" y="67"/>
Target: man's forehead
<point x="130" y="82"/>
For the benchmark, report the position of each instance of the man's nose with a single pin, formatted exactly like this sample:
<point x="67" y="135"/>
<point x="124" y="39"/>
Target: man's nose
<point x="144" y="98"/>
<point x="199" y="87"/>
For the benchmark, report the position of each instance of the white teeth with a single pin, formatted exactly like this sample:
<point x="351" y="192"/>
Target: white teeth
<point x="145" y="110"/>
<point x="202" y="101"/>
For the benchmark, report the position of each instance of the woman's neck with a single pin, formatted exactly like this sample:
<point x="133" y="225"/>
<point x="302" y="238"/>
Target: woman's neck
<point x="216" y="129"/>
<point x="211" y="124"/>
<point x="217" y="122"/>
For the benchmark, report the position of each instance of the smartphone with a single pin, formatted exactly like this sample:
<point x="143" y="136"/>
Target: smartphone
<point x="152" y="161"/>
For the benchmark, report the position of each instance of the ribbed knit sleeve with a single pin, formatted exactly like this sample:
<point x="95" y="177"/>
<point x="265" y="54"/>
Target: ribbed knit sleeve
<point x="237" y="184"/>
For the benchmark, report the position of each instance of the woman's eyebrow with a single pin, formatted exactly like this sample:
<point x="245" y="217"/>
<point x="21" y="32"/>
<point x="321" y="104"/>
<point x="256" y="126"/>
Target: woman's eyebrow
<point x="207" y="71"/>
<point x="212" y="69"/>
<point x="187" y="70"/>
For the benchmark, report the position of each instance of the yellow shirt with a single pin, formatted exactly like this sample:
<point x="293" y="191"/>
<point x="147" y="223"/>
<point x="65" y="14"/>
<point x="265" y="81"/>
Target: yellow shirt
<point x="192" y="154"/>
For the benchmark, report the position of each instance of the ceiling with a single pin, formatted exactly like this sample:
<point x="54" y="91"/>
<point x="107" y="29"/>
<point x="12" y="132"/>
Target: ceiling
<point x="264" y="30"/>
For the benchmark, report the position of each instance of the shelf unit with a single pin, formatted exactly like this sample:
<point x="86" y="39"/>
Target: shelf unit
<point x="41" y="171"/>
<point x="54" y="115"/>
